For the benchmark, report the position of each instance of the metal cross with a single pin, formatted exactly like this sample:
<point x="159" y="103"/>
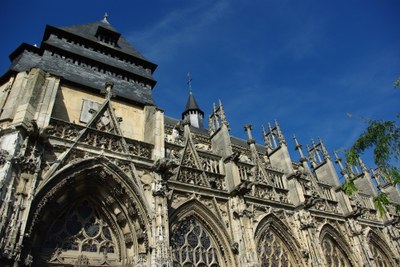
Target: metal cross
<point x="189" y="82"/>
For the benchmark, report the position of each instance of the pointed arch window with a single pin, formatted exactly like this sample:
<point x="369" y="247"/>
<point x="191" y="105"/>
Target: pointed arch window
<point x="80" y="231"/>
<point x="334" y="255"/>
<point x="192" y="245"/>
<point x="380" y="257"/>
<point x="272" y="251"/>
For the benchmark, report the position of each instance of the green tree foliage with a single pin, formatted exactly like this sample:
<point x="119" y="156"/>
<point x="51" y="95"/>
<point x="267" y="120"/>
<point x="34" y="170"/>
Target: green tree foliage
<point x="397" y="83"/>
<point x="383" y="137"/>
<point x="349" y="187"/>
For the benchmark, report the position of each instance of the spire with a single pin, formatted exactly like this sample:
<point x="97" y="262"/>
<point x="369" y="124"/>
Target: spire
<point x="248" y="128"/>
<point x="316" y="153"/>
<point x="264" y="133"/>
<point x="377" y="175"/>
<point x="222" y="115"/>
<point x="192" y="110"/>
<point x="362" y="165"/>
<point x="279" y="133"/>
<point x="274" y="138"/>
<point x="298" y="147"/>
<point x="217" y="118"/>
<point x="338" y="160"/>
<point x="191" y="104"/>
<point x="324" y="150"/>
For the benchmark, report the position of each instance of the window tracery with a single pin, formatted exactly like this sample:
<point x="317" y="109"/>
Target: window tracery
<point x="380" y="258"/>
<point x="193" y="246"/>
<point x="334" y="255"/>
<point x="273" y="252"/>
<point x="81" y="230"/>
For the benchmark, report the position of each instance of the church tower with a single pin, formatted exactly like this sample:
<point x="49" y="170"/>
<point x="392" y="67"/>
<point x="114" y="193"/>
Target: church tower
<point x="76" y="151"/>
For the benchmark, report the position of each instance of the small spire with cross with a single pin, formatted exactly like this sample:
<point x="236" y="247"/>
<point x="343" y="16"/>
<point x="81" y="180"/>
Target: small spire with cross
<point x="189" y="82"/>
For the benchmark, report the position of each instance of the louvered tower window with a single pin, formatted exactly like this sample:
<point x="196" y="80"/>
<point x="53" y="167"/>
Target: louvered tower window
<point x="106" y="36"/>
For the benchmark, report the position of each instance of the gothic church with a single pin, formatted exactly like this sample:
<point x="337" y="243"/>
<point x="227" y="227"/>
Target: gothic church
<point x="93" y="173"/>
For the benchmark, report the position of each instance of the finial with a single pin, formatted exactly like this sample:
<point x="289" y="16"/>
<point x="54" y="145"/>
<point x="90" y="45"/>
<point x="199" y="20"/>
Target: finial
<point x="313" y="143"/>
<point x="279" y="132"/>
<point x="222" y="115"/>
<point x="263" y="130"/>
<point x="105" y="18"/>
<point x="362" y="165"/>
<point x="278" y="129"/>
<point x="377" y="176"/>
<point x="338" y="160"/>
<point x="189" y="82"/>
<point x="265" y="136"/>
<point x="295" y="140"/>
<point x="299" y="148"/>
<point x="248" y="128"/>
<point x="324" y="150"/>
<point x="108" y="89"/>
<point x="215" y="116"/>
<point x="270" y="127"/>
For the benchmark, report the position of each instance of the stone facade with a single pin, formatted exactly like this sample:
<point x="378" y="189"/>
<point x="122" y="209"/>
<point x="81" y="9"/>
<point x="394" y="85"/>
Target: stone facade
<point x="98" y="176"/>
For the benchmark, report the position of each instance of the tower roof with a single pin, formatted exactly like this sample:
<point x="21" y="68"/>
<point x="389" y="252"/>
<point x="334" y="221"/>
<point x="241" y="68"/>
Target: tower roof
<point x="89" y="31"/>
<point x="89" y="55"/>
<point x="191" y="104"/>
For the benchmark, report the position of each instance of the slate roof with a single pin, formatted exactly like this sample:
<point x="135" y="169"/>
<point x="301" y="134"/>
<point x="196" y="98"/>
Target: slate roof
<point x="88" y="31"/>
<point x="98" y="61"/>
<point x="191" y="104"/>
<point x="172" y="122"/>
<point x="234" y="140"/>
<point x="93" y="55"/>
<point x="243" y="143"/>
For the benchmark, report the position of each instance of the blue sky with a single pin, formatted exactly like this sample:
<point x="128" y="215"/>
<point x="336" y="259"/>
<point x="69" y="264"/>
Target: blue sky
<point x="305" y="63"/>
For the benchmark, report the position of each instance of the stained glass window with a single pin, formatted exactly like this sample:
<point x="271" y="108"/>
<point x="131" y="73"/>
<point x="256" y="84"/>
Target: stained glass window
<point x="334" y="255"/>
<point x="80" y="230"/>
<point x="380" y="258"/>
<point x="192" y="246"/>
<point x="272" y="251"/>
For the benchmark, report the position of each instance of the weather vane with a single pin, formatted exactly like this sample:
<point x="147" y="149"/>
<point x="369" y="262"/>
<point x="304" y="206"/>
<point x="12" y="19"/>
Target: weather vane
<point x="189" y="82"/>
